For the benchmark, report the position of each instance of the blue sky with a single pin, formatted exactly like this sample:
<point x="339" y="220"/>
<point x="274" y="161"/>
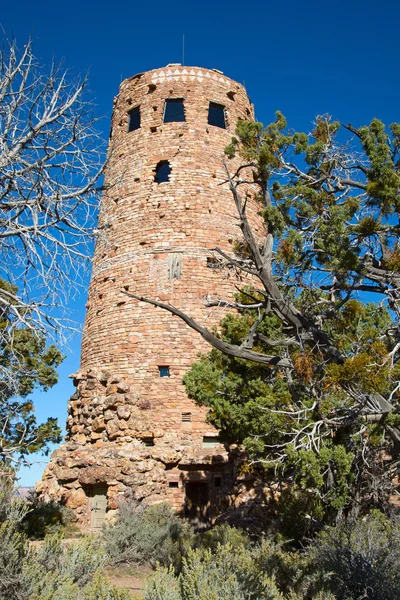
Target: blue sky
<point x="303" y="58"/>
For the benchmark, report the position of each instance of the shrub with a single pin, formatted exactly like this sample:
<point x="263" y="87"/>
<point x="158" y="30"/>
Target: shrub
<point x="221" y="535"/>
<point x="54" y="586"/>
<point x="360" y="559"/>
<point x="82" y="559"/>
<point x="37" y="584"/>
<point x="227" y="574"/>
<point x="45" y="517"/>
<point x="53" y="571"/>
<point x="287" y="568"/>
<point x="100" y="589"/>
<point x="13" y="544"/>
<point x="163" y="586"/>
<point x="142" y="534"/>
<point x="54" y="566"/>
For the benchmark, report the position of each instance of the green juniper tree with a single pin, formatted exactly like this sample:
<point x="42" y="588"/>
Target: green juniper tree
<point x="305" y="372"/>
<point x="26" y="363"/>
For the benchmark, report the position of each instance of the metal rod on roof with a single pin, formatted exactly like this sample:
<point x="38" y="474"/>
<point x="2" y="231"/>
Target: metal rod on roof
<point x="183" y="49"/>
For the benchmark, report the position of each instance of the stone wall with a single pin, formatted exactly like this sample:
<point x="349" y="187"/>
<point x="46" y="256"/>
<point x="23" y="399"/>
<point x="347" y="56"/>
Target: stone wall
<point x="156" y="240"/>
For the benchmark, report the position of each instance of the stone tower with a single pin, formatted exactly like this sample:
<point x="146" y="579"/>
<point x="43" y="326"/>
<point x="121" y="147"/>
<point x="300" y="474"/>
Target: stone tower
<point x="166" y="207"/>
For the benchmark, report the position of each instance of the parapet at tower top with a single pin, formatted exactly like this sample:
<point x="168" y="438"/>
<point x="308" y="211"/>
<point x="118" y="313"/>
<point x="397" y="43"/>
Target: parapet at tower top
<point x="191" y="73"/>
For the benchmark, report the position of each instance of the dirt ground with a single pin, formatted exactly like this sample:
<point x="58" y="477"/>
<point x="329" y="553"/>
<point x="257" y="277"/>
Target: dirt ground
<point x="132" y="578"/>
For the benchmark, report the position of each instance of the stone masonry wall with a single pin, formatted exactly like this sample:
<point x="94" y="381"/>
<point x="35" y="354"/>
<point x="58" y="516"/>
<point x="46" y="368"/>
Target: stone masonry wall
<point x="156" y="240"/>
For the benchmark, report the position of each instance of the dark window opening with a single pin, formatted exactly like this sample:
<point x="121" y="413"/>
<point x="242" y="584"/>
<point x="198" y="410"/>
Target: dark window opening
<point x="231" y="95"/>
<point x="163" y="171"/>
<point x="152" y="88"/>
<point x="216" y="115"/>
<point x="197" y="503"/>
<point x="218" y="481"/>
<point x="173" y="484"/>
<point x="149" y="441"/>
<point x="186" y="417"/>
<point x="164" y="371"/>
<point x="213" y="262"/>
<point x="174" y="110"/>
<point x="134" y="119"/>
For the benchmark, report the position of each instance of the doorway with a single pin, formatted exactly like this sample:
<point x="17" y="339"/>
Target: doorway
<point x="197" y="503"/>
<point x="98" y="505"/>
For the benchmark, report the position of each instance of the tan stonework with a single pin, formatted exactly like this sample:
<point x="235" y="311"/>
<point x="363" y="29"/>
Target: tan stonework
<point x="127" y="426"/>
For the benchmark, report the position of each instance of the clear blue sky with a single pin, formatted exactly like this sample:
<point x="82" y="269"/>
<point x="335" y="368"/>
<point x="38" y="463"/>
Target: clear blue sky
<point x="303" y="58"/>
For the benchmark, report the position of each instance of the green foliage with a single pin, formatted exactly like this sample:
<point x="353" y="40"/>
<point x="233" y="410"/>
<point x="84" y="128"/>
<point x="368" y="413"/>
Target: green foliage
<point x="274" y="220"/>
<point x="26" y="363"/>
<point x="330" y="207"/>
<point x="24" y="354"/>
<point x="13" y="546"/>
<point x="152" y="534"/>
<point x="44" y="518"/>
<point x="100" y="589"/>
<point x="163" y="586"/>
<point x="360" y="558"/>
<point x="222" y="535"/>
<point x="226" y="574"/>
<point x="355" y="559"/>
<point x="55" y="570"/>
<point x="252" y="405"/>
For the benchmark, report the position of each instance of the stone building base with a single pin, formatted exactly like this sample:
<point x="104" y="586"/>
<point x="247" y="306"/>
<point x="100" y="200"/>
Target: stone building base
<point x="115" y="449"/>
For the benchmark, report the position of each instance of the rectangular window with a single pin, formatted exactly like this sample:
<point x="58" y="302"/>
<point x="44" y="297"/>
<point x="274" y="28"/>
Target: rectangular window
<point x="163" y="371"/>
<point x="210" y="441"/>
<point x="175" y="265"/>
<point x="216" y="115"/>
<point x="134" y="119"/>
<point x="174" y="110"/>
<point x="149" y="441"/>
<point x="173" y="484"/>
<point x="186" y="417"/>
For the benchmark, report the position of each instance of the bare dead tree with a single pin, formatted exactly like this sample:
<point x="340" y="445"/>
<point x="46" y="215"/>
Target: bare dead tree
<point x="51" y="163"/>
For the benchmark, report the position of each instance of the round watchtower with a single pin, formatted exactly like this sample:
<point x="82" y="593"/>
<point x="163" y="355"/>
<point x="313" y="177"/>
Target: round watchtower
<point x="165" y="209"/>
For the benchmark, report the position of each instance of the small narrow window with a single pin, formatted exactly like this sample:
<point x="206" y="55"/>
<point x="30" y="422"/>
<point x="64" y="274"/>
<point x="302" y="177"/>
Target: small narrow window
<point x="213" y="262"/>
<point x="217" y="481"/>
<point x="173" y="484"/>
<point x="186" y="417"/>
<point x="164" y="371"/>
<point x="216" y="115"/>
<point x="134" y="119"/>
<point x="148" y="441"/>
<point x="174" y="110"/>
<point x="163" y="171"/>
<point x="175" y="265"/>
<point x="210" y="441"/>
